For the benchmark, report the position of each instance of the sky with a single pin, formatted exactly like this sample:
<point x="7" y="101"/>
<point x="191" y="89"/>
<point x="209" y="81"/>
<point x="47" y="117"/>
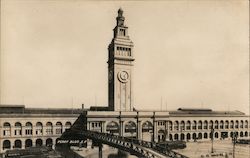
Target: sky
<point x="188" y="53"/>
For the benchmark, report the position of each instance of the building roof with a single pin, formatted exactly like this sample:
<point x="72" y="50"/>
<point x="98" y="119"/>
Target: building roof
<point x="20" y="109"/>
<point x="204" y="112"/>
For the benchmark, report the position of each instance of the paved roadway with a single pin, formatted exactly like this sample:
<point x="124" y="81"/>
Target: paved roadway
<point x="108" y="152"/>
<point x="197" y="149"/>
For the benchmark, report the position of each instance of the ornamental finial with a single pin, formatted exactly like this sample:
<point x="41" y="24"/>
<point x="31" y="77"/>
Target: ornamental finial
<point x="120" y="12"/>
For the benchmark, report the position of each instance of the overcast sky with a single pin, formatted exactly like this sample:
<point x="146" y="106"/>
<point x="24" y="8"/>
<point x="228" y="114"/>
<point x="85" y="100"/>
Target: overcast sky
<point x="189" y="53"/>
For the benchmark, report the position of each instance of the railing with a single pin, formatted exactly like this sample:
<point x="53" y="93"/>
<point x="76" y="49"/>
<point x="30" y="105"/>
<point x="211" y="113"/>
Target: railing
<point x="139" y="147"/>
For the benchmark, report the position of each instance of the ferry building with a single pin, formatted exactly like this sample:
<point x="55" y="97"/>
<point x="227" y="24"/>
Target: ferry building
<point x="22" y="127"/>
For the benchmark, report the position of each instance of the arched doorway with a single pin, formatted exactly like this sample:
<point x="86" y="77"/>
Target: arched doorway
<point x="216" y="135"/>
<point x="161" y="135"/>
<point x="39" y="142"/>
<point x="200" y="136"/>
<point x="112" y="127"/>
<point x="6" y="144"/>
<point x="188" y="136"/>
<point x="130" y="129"/>
<point x="28" y="143"/>
<point x="182" y="136"/>
<point x="176" y="136"/>
<point x="241" y="134"/>
<point x="205" y="135"/>
<point x="18" y="144"/>
<point x="246" y="134"/>
<point x="147" y="131"/>
<point x="49" y="142"/>
<point x="194" y="136"/>
<point x="170" y="137"/>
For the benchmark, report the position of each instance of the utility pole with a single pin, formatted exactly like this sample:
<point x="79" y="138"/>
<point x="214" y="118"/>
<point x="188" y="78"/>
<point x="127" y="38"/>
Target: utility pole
<point x="161" y="103"/>
<point x="234" y="139"/>
<point x="212" y="139"/>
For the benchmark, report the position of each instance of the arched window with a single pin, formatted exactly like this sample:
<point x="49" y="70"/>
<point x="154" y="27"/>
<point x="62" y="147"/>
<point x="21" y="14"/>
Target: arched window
<point x="147" y="127"/>
<point x="18" y="128"/>
<point x="241" y="123"/>
<point x="182" y="125"/>
<point x="188" y="127"/>
<point x="227" y="124"/>
<point x="170" y="125"/>
<point x="112" y="127"/>
<point x="231" y="124"/>
<point x="246" y="124"/>
<point x="194" y="125"/>
<point x="216" y="124"/>
<point x="59" y="128"/>
<point x="49" y="128"/>
<point x="176" y="125"/>
<point x="130" y="127"/>
<point x="236" y="124"/>
<point x="221" y="124"/>
<point x="200" y="124"/>
<point x="67" y="125"/>
<point x="6" y="129"/>
<point x="205" y="124"/>
<point x="39" y="128"/>
<point x="28" y="128"/>
<point x="211" y="124"/>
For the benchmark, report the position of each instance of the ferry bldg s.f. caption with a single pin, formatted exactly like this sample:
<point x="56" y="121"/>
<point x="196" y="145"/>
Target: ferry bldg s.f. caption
<point x="22" y="127"/>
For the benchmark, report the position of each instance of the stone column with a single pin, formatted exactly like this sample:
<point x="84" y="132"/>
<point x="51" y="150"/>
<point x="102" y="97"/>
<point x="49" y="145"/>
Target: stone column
<point x="121" y="130"/>
<point x="139" y="130"/>
<point x="23" y="143"/>
<point x="166" y="131"/>
<point x="23" y="130"/>
<point x="103" y="127"/>
<point x="33" y="142"/>
<point x="155" y="134"/>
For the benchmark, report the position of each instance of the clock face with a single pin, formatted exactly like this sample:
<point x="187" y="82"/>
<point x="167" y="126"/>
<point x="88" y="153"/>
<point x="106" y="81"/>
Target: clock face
<point x="123" y="76"/>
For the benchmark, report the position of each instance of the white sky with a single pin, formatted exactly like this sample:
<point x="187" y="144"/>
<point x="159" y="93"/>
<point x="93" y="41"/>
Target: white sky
<point x="189" y="53"/>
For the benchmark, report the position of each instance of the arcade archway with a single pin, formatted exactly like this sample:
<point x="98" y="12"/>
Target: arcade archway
<point x="18" y="144"/>
<point x="147" y="131"/>
<point x="112" y="127"/>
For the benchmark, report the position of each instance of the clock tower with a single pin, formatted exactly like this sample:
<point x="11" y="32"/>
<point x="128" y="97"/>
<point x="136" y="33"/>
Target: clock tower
<point x="120" y="68"/>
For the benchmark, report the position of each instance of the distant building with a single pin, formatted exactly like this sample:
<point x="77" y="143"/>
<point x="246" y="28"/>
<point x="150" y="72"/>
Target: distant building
<point x="22" y="127"/>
